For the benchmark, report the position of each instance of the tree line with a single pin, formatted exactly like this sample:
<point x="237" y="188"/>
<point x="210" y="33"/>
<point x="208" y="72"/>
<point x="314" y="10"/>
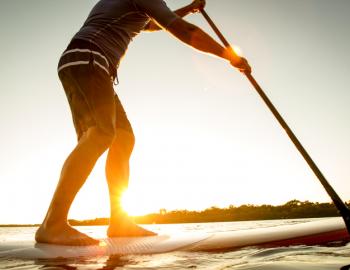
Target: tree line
<point x="290" y="210"/>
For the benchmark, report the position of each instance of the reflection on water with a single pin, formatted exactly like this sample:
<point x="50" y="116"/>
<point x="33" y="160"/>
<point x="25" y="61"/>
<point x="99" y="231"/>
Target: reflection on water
<point x="289" y="258"/>
<point x="306" y="258"/>
<point x="104" y="263"/>
<point x="283" y="258"/>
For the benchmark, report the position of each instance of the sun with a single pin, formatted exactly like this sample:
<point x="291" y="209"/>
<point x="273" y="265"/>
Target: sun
<point x="133" y="204"/>
<point x="128" y="204"/>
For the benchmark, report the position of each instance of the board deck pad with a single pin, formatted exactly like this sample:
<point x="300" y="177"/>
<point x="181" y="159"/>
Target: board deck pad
<point x="307" y="233"/>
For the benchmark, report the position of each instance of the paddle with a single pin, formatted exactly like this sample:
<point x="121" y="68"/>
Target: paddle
<point x="342" y="208"/>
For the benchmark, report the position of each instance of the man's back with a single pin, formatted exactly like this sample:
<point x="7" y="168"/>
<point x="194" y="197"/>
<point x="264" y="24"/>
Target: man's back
<point x="112" y="24"/>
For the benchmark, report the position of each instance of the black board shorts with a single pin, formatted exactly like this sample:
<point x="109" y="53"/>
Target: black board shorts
<point x="85" y="77"/>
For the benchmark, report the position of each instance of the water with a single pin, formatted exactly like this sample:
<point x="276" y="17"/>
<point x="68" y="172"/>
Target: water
<point x="283" y="258"/>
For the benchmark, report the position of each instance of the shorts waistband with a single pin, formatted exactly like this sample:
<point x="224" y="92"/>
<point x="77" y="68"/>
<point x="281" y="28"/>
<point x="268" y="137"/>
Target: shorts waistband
<point x="83" y="53"/>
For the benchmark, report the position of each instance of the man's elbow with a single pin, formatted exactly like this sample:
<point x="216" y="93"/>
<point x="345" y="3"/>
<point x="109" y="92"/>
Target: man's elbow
<point x="152" y="27"/>
<point x="182" y="30"/>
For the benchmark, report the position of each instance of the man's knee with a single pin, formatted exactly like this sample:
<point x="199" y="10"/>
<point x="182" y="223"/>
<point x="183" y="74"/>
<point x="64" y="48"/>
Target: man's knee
<point x="101" y="138"/>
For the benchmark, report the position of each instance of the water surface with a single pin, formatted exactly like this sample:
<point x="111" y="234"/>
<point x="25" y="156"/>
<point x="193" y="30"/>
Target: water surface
<point x="282" y="258"/>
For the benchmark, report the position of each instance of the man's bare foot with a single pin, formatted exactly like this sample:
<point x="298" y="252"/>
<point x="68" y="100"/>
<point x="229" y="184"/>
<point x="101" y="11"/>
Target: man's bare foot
<point x="127" y="228"/>
<point x="63" y="235"/>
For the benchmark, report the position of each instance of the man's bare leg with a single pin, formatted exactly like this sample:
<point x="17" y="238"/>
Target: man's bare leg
<point x="117" y="173"/>
<point x="55" y="228"/>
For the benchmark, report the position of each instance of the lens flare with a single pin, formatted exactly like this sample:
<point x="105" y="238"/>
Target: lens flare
<point x="237" y="50"/>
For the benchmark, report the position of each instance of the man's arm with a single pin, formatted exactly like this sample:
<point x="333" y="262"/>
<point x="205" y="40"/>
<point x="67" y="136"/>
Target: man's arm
<point x="198" y="39"/>
<point x="194" y="7"/>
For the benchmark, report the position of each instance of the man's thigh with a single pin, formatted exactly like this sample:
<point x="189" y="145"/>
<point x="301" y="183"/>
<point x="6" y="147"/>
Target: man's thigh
<point x="91" y="98"/>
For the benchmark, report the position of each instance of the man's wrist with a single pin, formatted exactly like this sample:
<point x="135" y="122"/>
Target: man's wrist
<point x="230" y="56"/>
<point x="193" y="9"/>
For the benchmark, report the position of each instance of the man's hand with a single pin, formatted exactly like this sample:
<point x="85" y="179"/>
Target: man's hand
<point x="197" y="5"/>
<point x="237" y="61"/>
<point x="242" y="64"/>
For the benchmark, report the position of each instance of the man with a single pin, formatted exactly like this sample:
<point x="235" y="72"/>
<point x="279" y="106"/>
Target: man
<point x="87" y="70"/>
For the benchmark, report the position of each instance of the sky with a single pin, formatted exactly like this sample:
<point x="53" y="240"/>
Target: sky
<point x="203" y="136"/>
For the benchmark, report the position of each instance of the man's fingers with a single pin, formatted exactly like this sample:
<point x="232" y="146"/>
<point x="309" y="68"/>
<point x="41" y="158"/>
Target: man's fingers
<point x="242" y="65"/>
<point x="198" y="5"/>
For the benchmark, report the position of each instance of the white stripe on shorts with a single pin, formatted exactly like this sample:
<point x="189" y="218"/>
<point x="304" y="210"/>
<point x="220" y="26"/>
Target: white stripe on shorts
<point x="87" y="50"/>
<point x="76" y="63"/>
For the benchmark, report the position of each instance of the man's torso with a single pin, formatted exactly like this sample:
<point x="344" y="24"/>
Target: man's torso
<point x="112" y="24"/>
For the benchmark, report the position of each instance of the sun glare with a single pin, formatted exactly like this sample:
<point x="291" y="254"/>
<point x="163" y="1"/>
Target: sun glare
<point x="132" y="205"/>
<point x="237" y="50"/>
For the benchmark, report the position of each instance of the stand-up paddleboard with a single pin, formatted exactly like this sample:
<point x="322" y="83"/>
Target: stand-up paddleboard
<point x="307" y="233"/>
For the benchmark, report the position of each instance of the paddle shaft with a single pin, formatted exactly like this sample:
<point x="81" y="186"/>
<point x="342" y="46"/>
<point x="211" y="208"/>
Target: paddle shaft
<point x="342" y="208"/>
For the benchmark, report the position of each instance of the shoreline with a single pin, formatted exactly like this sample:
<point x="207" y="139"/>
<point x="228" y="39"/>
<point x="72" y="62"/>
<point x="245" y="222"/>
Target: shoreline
<point x="291" y="210"/>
